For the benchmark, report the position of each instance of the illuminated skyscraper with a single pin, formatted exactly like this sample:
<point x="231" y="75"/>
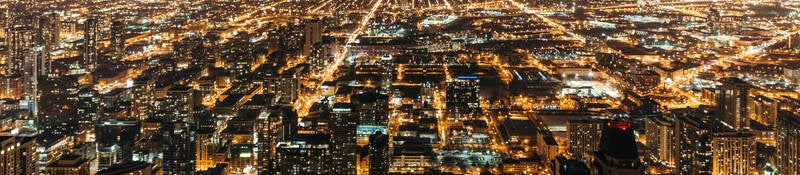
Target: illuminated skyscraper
<point x="18" y="155"/>
<point x="788" y="147"/>
<point x="763" y="109"/>
<point x="91" y="34"/>
<point x="285" y="86"/>
<point x="731" y="97"/>
<point x="660" y="132"/>
<point x="118" y="38"/>
<point x="272" y="128"/>
<point x="178" y="148"/>
<point x="20" y="42"/>
<point x="343" y="131"/>
<point x="583" y="136"/>
<point x="87" y="109"/>
<point x="733" y="153"/>
<point x="312" y="31"/>
<point x="142" y="97"/>
<point x="371" y="108"/>
<point x="180" y="103"/>
<point x="694" y="145"/>
<point x="463" y="95"/>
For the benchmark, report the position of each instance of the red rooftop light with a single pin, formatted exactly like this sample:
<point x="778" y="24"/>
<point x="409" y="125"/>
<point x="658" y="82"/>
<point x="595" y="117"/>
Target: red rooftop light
<point x="619" y="124"/>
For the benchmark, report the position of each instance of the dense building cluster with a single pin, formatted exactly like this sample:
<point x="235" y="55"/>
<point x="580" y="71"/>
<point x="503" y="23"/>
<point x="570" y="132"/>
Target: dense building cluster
<point x="295" y="87"/>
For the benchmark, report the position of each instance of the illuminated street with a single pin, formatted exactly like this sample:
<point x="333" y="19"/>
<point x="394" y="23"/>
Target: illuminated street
<point x="378" y="87"/>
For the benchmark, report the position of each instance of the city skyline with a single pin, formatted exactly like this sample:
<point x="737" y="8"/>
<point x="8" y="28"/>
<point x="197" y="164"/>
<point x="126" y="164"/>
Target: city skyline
<point x="374" y="87"/>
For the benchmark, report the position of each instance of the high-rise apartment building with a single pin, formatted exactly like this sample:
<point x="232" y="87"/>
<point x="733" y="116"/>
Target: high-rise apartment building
<point x="788" y="146"/>
<point x="694" y="145"/>
<point x="583" y="136"/>
<point x="18" y="155"/>
<point x="91" y="34"/>
<point x="733" y="153"/>
<point x="660" y="132"/>
<point x="731" y="97"/>
<point x="178" y="148"/>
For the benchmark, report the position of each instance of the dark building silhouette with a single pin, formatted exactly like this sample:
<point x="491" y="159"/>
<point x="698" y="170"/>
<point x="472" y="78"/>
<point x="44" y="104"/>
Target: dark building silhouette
<point x="617" y="153"/>
<point x="379" y="156"/>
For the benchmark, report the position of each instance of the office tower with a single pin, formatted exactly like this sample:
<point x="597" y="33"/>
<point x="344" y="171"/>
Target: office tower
<point x="379" y="155"/>
<point x="463" y="96"/>
<point x="343" y="131"/>
<point x="91" y="34"/>
<point x="87" y="109"/>
<point x="178" y="148"/>
<point x="180" y="103"/>
<point x="51" y="29"/>
<point x="693" y="144"/>
<point x="762" y="109"/>
<point x="321" y="56"/>
<point x="371" y="108"/>
<point x="18" y="155"/>
<point x="788" y="146"/>
<point x="20" y="41"/>
<point x="660" y="132"/>
<point x="286" y="38"/>
<point x="142" y="97"/>
<point x="118" y="39"/>
<point x="617" y="153"/>
<point x="312" y="31"/>
<point x="733" y="153"/>
<point x="731" y="97"/>
<point x="115" y="140"/>
<point x="285" y="86"/>
<point x="305" y="154"/>
<point x="387" y="75"/>
<point x="26" y="57"/>
<point x="584" y="137"/>
<point x="47" y="35"/>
